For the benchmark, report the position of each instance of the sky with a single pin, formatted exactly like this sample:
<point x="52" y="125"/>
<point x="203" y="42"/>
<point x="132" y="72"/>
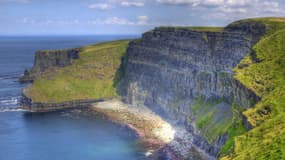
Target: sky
<point x="124" y="17"/>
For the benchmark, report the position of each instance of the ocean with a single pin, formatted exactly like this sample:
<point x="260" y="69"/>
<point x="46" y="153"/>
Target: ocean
<point x="63" y="135"/>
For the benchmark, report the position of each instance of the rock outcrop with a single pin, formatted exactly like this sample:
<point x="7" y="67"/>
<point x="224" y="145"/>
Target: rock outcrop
<point x="47" y="59"/>
<point x="186" y="77"/>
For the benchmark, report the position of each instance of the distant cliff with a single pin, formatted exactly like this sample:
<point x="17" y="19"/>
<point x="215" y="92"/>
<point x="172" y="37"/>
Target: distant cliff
<point x="186" y="76"/>
<point x="48" y="59"/>
<point x="73" y="77"/>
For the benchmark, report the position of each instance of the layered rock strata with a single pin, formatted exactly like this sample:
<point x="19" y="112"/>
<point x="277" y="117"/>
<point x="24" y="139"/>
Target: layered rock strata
<point x="186" y="76"/>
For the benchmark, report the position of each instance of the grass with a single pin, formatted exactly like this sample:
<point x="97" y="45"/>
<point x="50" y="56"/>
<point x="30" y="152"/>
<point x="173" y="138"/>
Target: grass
<point x="209" y="119"/>
<point x="263" y="71"/>
<point x="235" y="129"/>
<point x="194" y="28"/>
<point x="203" y="121"/>
<point x="207" y="29"/>
<point x="90" y="77"/>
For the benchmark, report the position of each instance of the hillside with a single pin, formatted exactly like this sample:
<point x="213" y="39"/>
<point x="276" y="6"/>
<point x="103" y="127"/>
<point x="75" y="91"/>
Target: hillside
<point x="263" y="71"/>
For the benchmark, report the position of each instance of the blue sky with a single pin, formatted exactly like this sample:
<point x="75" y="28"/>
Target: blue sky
<point x="80" y="17"/>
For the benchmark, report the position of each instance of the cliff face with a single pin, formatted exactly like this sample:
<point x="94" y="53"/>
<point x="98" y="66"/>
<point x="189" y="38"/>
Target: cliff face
<point x="47" y="59"/>
<point x="186" y="76"/>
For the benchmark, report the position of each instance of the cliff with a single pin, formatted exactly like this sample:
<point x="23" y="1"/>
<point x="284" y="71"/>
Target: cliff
<point x="47" y="59"/>
<point x="186" y="76"/>
<point x="223" y="88"/>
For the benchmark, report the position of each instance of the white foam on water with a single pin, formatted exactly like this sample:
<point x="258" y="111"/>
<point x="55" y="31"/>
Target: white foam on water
<point x="10" y="101"/>
<point x="10" y="104"/>
<point x="148" y="153"/>
<point x="12" y="110"/>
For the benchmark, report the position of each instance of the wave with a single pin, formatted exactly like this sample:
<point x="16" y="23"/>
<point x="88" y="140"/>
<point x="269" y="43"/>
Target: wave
<point x="11" y="110"/>
<point x="10" y="100"/>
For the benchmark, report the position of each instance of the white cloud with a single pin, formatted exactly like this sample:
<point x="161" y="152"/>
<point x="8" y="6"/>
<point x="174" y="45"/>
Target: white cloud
<point x="233" y="10"/>
<point x="112" y="21"/>
<point x="244" y="9"/>
<point x="141" y="20"/>
<point x="101" y="6"/>
<point x="19" y="1"/>
<point x="28" y="20"/>
<point x="124" y="3"/>
<point x="178" y="2"/>
<point x="194" y="3"/>
<point x="210" y="3"/>
<point x="132" y="4"/>
<point x="272" y="7"/>
<point x="240" y="3"/>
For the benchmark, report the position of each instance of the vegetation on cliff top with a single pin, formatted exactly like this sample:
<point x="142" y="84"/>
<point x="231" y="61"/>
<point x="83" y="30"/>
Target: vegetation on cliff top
<point x="194" y="28"/>
<point x="263" y="71"/>
<point x="90" y="77"/>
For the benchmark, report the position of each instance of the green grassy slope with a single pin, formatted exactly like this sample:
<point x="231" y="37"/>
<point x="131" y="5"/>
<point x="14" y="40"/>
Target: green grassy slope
<point x="263" y="71"/>
<point x="194" y="28"/>
<point x="90" y="77"/>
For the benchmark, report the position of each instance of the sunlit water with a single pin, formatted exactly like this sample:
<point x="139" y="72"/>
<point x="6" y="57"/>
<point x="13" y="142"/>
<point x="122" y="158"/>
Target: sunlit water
<point x="63" y="135"/>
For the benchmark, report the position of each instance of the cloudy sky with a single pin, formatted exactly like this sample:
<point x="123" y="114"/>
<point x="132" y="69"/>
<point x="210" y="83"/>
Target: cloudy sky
<point x="41" y="17"/>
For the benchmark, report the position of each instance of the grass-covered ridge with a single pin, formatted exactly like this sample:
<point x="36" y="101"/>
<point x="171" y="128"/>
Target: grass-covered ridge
<point x="263" y="71"/>
<point x="193" y="28"/>
<point x="92" y="76"/>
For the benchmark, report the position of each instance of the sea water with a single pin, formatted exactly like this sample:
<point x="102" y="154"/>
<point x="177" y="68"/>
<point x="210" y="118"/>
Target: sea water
<point x="63" y="135"/>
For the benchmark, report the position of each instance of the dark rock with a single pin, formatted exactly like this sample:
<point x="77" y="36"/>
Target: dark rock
<point x="166" y="153"/>
<point x="252" y="28"/>
<point x="28" y="104"/>
<point x="168" y="69"/>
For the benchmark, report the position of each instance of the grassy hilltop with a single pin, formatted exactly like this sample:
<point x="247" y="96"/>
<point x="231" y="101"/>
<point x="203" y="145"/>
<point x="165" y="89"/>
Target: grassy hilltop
<point x="92" y="76"/>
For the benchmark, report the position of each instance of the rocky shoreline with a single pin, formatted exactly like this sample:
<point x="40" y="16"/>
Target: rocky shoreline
<point x="160" y="138"/>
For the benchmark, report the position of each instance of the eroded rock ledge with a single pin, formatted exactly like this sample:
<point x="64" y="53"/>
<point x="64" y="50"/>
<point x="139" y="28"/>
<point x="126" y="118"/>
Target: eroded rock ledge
<point x="28" y="104"/>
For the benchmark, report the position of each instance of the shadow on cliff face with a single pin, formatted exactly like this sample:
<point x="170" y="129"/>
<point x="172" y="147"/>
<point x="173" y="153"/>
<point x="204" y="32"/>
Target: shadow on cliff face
<point x="119" y="74"/>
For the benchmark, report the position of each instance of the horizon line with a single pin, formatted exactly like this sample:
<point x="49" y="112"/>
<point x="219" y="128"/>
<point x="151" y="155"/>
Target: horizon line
<point x="15" y="35"/>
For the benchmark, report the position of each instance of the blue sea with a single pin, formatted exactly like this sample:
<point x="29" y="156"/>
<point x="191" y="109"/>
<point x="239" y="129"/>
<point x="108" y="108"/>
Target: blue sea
<point x="63" y="135"/>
